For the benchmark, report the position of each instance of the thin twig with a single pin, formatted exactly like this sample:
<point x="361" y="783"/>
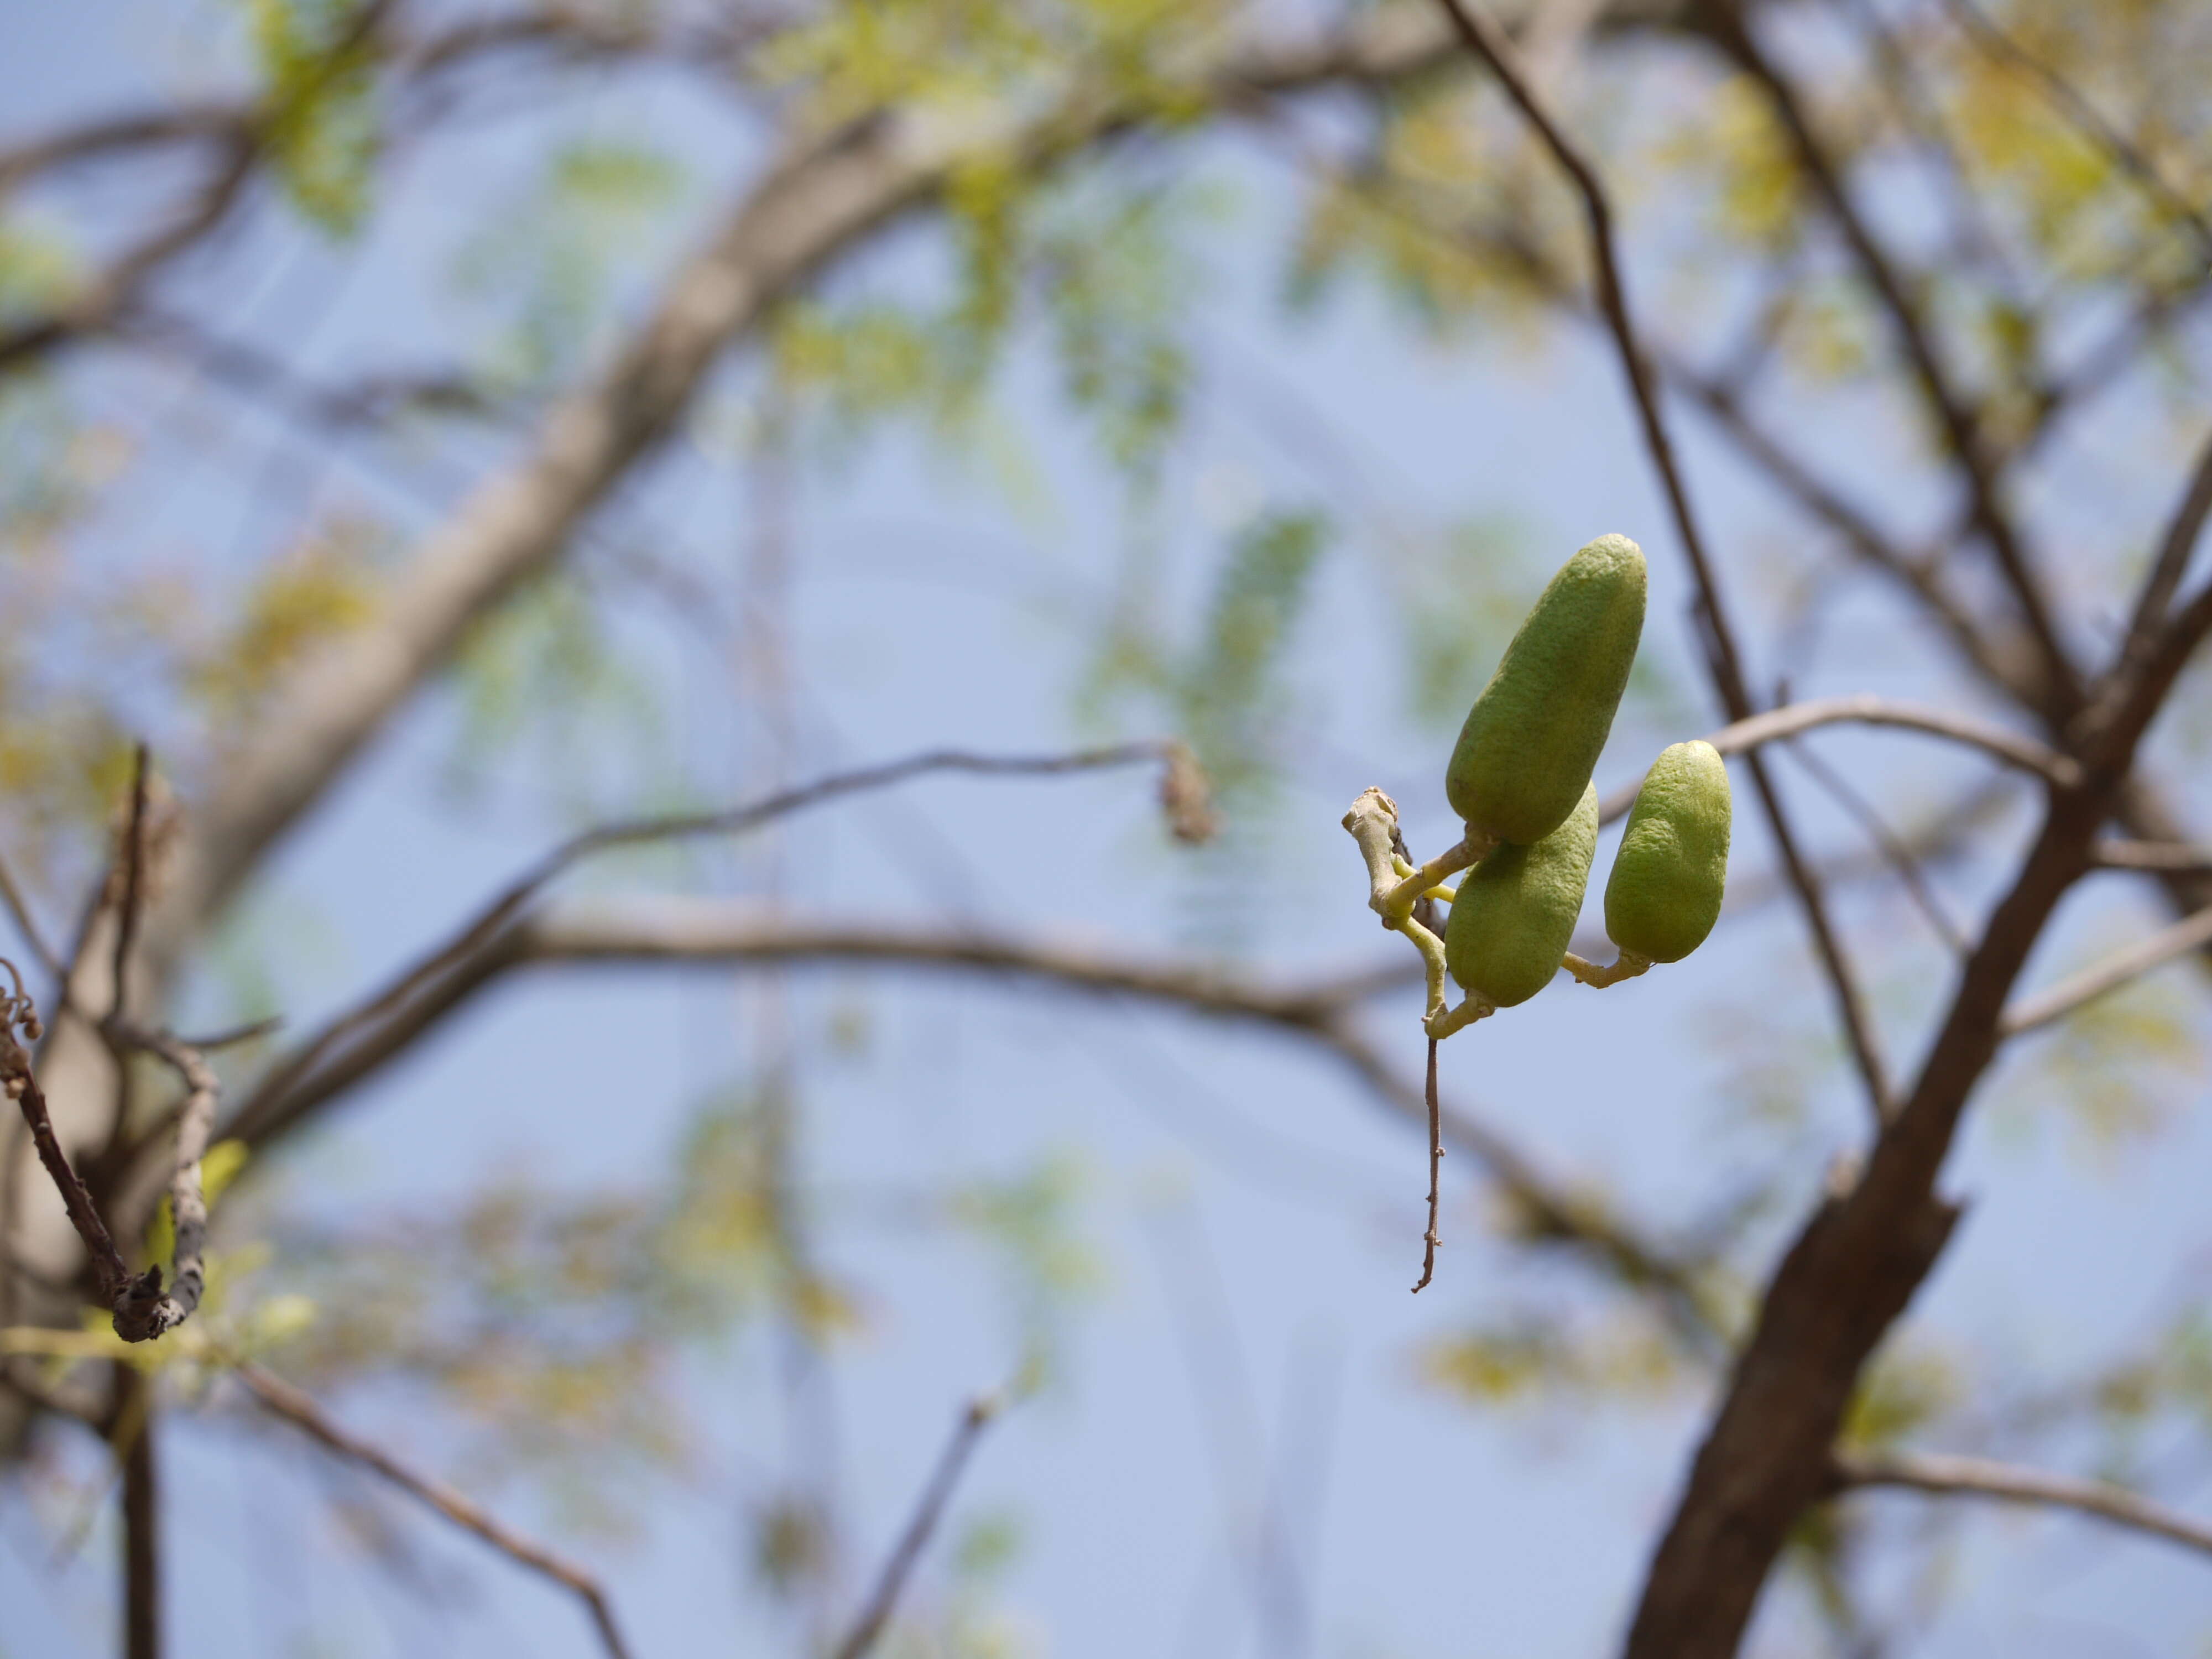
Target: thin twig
<point x="1893" y="849"/>
<point x="1489" y="44"/>
<point x="2078" y="109"/>
<point x="1864" y="708"/>
<point x="1182" y="798"/>
<point x="19" y="911"/>
<point x="2166" y="857"/>
<point x="2175" y="546"/>
<point x="876" y="1612"/>
<point x="2116" y="970"/>
<point x="1430" y="1240"/>
<point x="1961" y="424"/>
<point x="282" y="1400"/>
<point x="133" y="855"/>
<point x="1978" y="1477"/>
<point x="117" y="1287"/>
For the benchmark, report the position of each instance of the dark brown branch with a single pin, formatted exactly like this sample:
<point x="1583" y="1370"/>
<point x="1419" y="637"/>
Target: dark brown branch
<point x="131" y="855"/>
<point x="1864" y="1252"/>
<point x="2070" y="102"/>
<point x="132" y="1439"/>
<point x="1489" y="44"/>
<point x="131" y="1295"/>
<point x="282" y="1399"/>
<point x="1977" y="1477"/>
<point x="899" y="1567"/>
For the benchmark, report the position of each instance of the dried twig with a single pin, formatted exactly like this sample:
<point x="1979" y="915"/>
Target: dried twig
<point x="280" y="1399"/>
<point x="876" y="1611"/>
<point x="1978" y="1477"/>
<point x="136" y="1298"/>
<point x="1488" y="42"/>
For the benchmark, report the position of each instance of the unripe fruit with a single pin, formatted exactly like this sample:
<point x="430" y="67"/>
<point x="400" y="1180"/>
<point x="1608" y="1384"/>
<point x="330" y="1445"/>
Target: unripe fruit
<point x="1516" y="911"/>
<point x="1533" y="736"/>
<point x="1664" y="894"/>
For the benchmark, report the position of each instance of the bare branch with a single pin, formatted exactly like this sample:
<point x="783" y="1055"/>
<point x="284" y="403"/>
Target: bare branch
<point x="1888" y="843"/>
<point x="1977" y="1477"/>
<point x="875" y="1614"/>
<point x="280" y="1399"/>
<point x="1959" y="421"/>
<point x="1489" y="44"/>
<point x="131" y="1435"/>
<point x="2175" y="547"/>
<point x="132" y="856"/>
<point x="1182" y="792"/>
<point x="95" y="140"/>
<point x="1864" y="708"/>
<point x="18" y="911"/>
<point x="2163" y="856"/>
<point x="2069" y="993"/>
<point x="135" y="1299"/>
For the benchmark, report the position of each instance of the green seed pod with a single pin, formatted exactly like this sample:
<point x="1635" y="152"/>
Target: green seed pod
<point x="1532" y="739"/>
<point x="1664" y="894"/>
<point x="1516" y="910"/>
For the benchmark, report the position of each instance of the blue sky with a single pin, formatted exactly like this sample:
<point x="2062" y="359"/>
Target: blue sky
<point x="1259" y="1216"/>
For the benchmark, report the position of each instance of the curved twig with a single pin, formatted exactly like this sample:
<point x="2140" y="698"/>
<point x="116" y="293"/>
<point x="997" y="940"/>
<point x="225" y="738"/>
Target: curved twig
<point x="280" y="1399"/>
<point x="1978" y="1477"/>
<point x="2108" y="975"/>
<point x="1864" y="708"/>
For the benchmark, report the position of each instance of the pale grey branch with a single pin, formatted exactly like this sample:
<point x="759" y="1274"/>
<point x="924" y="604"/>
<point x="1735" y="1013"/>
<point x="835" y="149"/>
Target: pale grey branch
<point x="1978" y="1477"/>
<point x="2108" y="975"/>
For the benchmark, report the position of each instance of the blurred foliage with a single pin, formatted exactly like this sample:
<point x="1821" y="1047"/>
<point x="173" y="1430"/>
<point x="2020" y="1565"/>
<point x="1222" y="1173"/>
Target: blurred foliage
<point x="556" y="1322"/>
<point x="319" y="89"/>
<point x="547" y="260"/>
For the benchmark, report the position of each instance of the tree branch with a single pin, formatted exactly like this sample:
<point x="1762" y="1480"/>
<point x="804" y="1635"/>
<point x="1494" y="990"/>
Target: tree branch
<point x="1183" y="798"/>
<point x="280" y="1399"/>
<point x="1864" y="708"/>
<point x="2188" y="934"/>
<point x="979" y="1414"/>
<point x="1977" y="1477"/>
<point x="1960" y="425"/>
